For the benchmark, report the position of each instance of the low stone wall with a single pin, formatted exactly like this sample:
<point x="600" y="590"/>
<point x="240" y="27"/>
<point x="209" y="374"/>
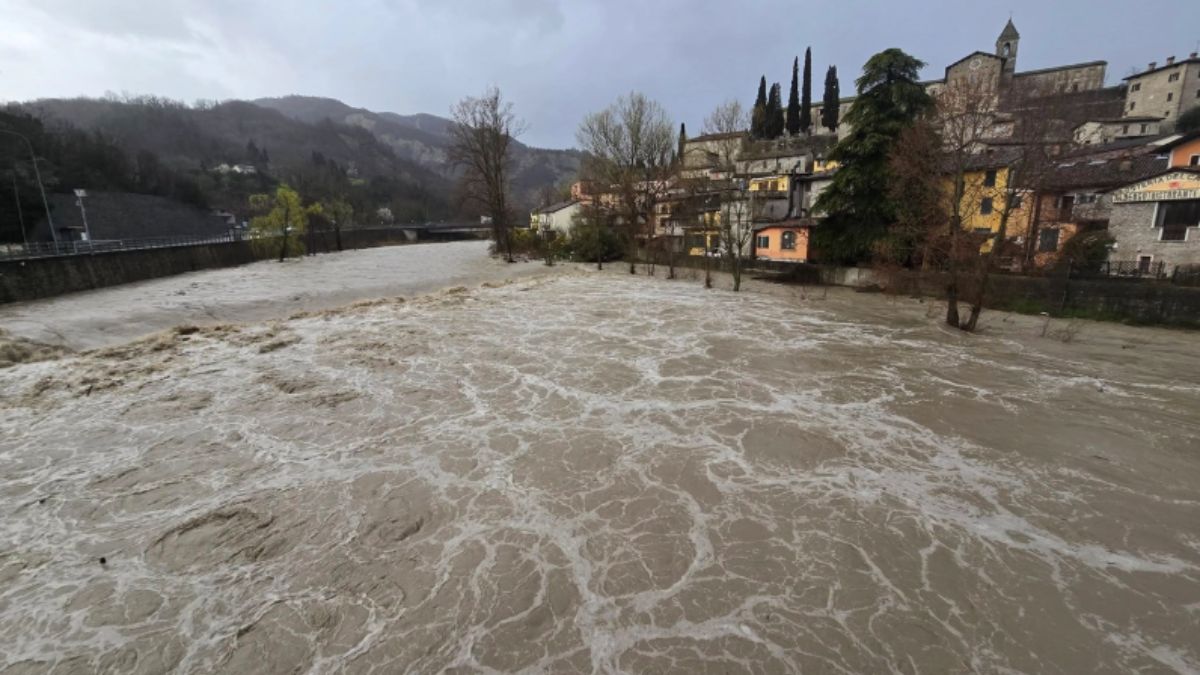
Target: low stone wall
<point x="49" y="277"/>
<point x="1115" y="299"/>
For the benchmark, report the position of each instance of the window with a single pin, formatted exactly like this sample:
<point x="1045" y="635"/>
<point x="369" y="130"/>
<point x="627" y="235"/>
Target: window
<point x="1048" y="240"/>
<point x="1125" y="129"/>
<point x="1085" y="199"/>
<point x="1015" y="203"/>
<point x="1144" y="264"/>
<point x="1198" y="93"/>
<point x="1194" y="161"/>
<point x="788" y="241"/>
<point x="1074" y="86"/>
<point x="1174" y="77"/>
<point x="1170" y="95"/>
<point x="1176" y="217"/>
<point x="989" y="178"/>
<point x="1145" y="127"/>
<point x="1136" y="87"/>
<point x="1132" y="105"/>
<point x="985" y="206"/>
<point x="764" y="241"/>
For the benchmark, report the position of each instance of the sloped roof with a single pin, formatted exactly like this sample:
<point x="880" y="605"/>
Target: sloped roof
<point x="717" y="137"/>
<point x="968" y="56"/>
<point x="1185" y="138"/>
<point x="1163" y="67"/>
<point x="1010" y="31"/>
<point x="554" y="208"/>
<point x="1052" y="69"/>
<point x="1103" y="174"/>
<point x="1126" y="146"/>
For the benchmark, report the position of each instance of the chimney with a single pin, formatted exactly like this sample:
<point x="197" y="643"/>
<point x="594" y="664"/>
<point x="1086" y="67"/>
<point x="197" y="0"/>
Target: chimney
<point x="1193" y="55"/>
<point x="1170" y="60"/>
<point x="1153" y="65"/>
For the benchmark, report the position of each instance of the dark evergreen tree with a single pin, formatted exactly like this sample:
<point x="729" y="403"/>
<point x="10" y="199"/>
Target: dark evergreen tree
<point x="774" y="122"/>
<point x="758" y="116"/>
<point x="856" y="202"/>
<point x="682" y="142"/>
<point x="830" y="102"/>
<point x="793" y="108"/>
<point x="806" y="94"/>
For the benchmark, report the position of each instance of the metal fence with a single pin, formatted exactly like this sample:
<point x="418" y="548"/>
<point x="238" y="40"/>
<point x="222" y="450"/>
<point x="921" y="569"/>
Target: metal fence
<point x="68" y="248"/>
<point x="1126" y="269"/>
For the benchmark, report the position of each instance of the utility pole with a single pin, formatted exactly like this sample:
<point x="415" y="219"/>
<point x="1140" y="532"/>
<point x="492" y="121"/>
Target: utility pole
<point x="38" y="174"/>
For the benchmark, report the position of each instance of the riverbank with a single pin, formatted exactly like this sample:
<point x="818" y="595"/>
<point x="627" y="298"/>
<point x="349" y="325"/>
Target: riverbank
<point x="254" y="292"/>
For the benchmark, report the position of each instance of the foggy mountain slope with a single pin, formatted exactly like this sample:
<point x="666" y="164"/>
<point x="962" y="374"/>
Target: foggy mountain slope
<point x="424" y="139"/>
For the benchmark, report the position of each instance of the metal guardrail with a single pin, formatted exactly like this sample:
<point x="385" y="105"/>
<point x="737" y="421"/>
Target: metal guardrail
<point x="45" y="249"/>
<point x="74" y="248"/>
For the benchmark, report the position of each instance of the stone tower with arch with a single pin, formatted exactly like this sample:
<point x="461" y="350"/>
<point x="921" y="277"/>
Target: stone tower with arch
<point x="1006" y="49"/>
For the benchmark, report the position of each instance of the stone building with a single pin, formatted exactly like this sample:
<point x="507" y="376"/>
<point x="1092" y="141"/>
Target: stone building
<point x="1072" y="93"/>
<point x="1104" y="131"/>
<point x="1166" y="91"/>
<point x="1076" y="197"/>
<point x="1157" y="220"/>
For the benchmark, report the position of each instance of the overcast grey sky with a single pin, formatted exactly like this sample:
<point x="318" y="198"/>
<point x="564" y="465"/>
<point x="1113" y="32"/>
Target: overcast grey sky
<point x="555" y="59"/>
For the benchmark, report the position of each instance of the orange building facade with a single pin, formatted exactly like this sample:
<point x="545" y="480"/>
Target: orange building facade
<point x="782" y="242"/>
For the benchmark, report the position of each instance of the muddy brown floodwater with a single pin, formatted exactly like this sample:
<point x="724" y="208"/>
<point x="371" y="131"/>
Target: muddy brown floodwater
<point x="598" y="473"/>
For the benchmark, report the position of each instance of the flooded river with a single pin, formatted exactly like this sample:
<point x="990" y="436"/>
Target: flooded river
<point x="602" y="473"/>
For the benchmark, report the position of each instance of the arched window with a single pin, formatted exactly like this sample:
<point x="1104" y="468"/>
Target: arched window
<point x="1007" y="49"/>
<point x="788" y="240"/>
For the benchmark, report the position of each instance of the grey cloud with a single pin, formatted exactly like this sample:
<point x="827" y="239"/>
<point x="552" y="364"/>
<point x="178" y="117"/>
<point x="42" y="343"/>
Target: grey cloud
<point x="555" y="59"/>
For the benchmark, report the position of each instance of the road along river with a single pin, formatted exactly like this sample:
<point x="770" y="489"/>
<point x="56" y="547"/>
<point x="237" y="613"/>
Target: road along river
<point x="603" y="473"/>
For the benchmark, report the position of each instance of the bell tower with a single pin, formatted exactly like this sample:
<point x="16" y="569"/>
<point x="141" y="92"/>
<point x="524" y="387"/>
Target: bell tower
<point x="1006" y="48"/>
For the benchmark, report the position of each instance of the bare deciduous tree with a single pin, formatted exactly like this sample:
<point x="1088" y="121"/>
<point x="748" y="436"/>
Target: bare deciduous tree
<point x="481" y="135"/>
<point x="727" y="124"/>
<point x="629" y="149"/>
<point x="937" y="166"/>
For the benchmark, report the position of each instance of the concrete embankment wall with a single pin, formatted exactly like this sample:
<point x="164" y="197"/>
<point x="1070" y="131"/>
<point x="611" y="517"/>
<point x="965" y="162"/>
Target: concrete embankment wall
<point x="49" y="277"/>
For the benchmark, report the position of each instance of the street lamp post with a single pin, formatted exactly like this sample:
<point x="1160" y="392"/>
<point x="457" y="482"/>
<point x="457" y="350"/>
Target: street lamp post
<point x="38" y="174"/>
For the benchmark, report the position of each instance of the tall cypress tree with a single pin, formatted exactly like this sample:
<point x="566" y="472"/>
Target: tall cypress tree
<point x="829" y="103"/>
<point x="806" y="95"/>
<point x="774" y="123"/>
<point x="682" y="142"/>
<point x="758" y="116"/>
<point x="793" y="109"/>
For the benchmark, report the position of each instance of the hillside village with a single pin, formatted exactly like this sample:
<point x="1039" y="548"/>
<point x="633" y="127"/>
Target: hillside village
<point x="1110" y="159"/>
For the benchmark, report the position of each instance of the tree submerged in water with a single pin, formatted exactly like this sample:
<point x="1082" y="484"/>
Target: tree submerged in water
<point x="281" y="222"/>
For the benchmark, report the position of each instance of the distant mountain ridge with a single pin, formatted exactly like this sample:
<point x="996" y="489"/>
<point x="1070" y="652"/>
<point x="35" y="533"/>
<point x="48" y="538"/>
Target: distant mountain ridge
<point x="424" y="139"/>
<point x="295" y="131"/>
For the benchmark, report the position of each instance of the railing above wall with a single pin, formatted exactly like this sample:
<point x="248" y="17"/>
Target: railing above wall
<point x="46" y="249"/>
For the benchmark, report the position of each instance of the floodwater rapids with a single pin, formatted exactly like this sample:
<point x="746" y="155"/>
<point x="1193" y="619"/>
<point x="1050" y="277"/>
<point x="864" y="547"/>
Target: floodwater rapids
<point x="601" y="473"/>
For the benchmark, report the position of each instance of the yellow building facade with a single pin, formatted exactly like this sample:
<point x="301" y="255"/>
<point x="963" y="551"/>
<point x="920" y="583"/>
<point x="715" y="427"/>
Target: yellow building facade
<point x="982" y="205"/>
